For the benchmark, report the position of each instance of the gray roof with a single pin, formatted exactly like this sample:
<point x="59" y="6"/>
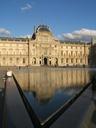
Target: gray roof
<point x="42" y="28"/>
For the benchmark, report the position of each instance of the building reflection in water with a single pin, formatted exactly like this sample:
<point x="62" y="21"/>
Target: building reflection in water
<point x="45" y="82"/>
<point x="47" y="89"/>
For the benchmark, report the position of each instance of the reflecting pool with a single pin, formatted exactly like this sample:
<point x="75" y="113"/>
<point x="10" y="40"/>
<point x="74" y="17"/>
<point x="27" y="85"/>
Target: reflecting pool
<point x="49" y="88"/>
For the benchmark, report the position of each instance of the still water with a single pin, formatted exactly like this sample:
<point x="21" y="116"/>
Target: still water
<point x="49" y="88"/>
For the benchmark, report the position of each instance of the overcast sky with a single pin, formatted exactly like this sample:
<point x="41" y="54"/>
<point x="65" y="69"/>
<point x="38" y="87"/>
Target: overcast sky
<point x="70" y="18"/>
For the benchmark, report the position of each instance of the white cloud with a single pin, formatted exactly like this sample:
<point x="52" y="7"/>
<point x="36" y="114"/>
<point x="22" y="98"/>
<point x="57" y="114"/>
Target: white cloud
<point x="82" y="34"/>
<point x="26" y="36"/>
<point x="86" y="32"/>
<point x="69" y="35"/>
<point x="26" y="7"/>
<point x="4" y="32"/>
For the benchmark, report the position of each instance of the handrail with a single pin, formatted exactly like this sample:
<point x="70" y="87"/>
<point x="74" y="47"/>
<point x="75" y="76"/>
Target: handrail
<point x="28" y="107"/>
<point x="4" y="105"/>
<point x="50" y="120"/>
<point x="63" y="108"/>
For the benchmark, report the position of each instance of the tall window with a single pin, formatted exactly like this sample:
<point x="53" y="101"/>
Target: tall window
<point x="56" y="61"/>
<point x="50" y="62"/>
<point x="61" y="46"/>
<point x="34" y="60"/>
<point x="72" y="60"/>
<point x="61" y="53"/>
<point x="67" y="53"/>
<point x="76" y="60"/>
<point x="40" y="62"/>
<point x="80" y="60"/>
<point x="76" y="53"/>
<point x="10" y="60"/>
<point x="71" y="53"/>
<point x="67" y="60"/>
<point x="17" y="59"/>
<point x="23" y="60"/>
<point x="4" y="58"/>
<point x="61" y="60"/>
<point x="80" y="53"/>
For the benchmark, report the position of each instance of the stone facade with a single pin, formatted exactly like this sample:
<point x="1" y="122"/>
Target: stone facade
<point x="92" y="53"/>
<point x="42" y="49"/>
<point x="13" y="53"/>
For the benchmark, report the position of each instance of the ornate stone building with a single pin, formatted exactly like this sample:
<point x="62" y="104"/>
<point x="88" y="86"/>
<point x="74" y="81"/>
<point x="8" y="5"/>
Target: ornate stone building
<point x="92" y="53"/>
<point x="42" y="49"/>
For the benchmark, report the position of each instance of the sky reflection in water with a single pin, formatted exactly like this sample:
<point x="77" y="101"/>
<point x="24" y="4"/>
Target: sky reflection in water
<point x="48" y="88"/>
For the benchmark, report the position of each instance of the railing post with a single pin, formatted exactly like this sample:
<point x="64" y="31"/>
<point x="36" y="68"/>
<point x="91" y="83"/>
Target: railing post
<point x="94" y="89"/>
<point x="94" y="84"/>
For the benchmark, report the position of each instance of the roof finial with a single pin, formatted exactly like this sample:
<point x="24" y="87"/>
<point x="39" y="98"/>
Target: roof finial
<point x="34" y="28"/>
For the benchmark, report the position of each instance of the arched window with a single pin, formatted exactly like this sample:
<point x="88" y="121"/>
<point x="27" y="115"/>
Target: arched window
<point x="56" y="59"/>
<point x="40" y="62"/>
<point x="49" y="62"/>
<point x="34" y="60"/>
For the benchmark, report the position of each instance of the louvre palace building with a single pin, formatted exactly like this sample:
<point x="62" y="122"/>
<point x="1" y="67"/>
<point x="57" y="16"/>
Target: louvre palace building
<point x="43" y="49"/>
